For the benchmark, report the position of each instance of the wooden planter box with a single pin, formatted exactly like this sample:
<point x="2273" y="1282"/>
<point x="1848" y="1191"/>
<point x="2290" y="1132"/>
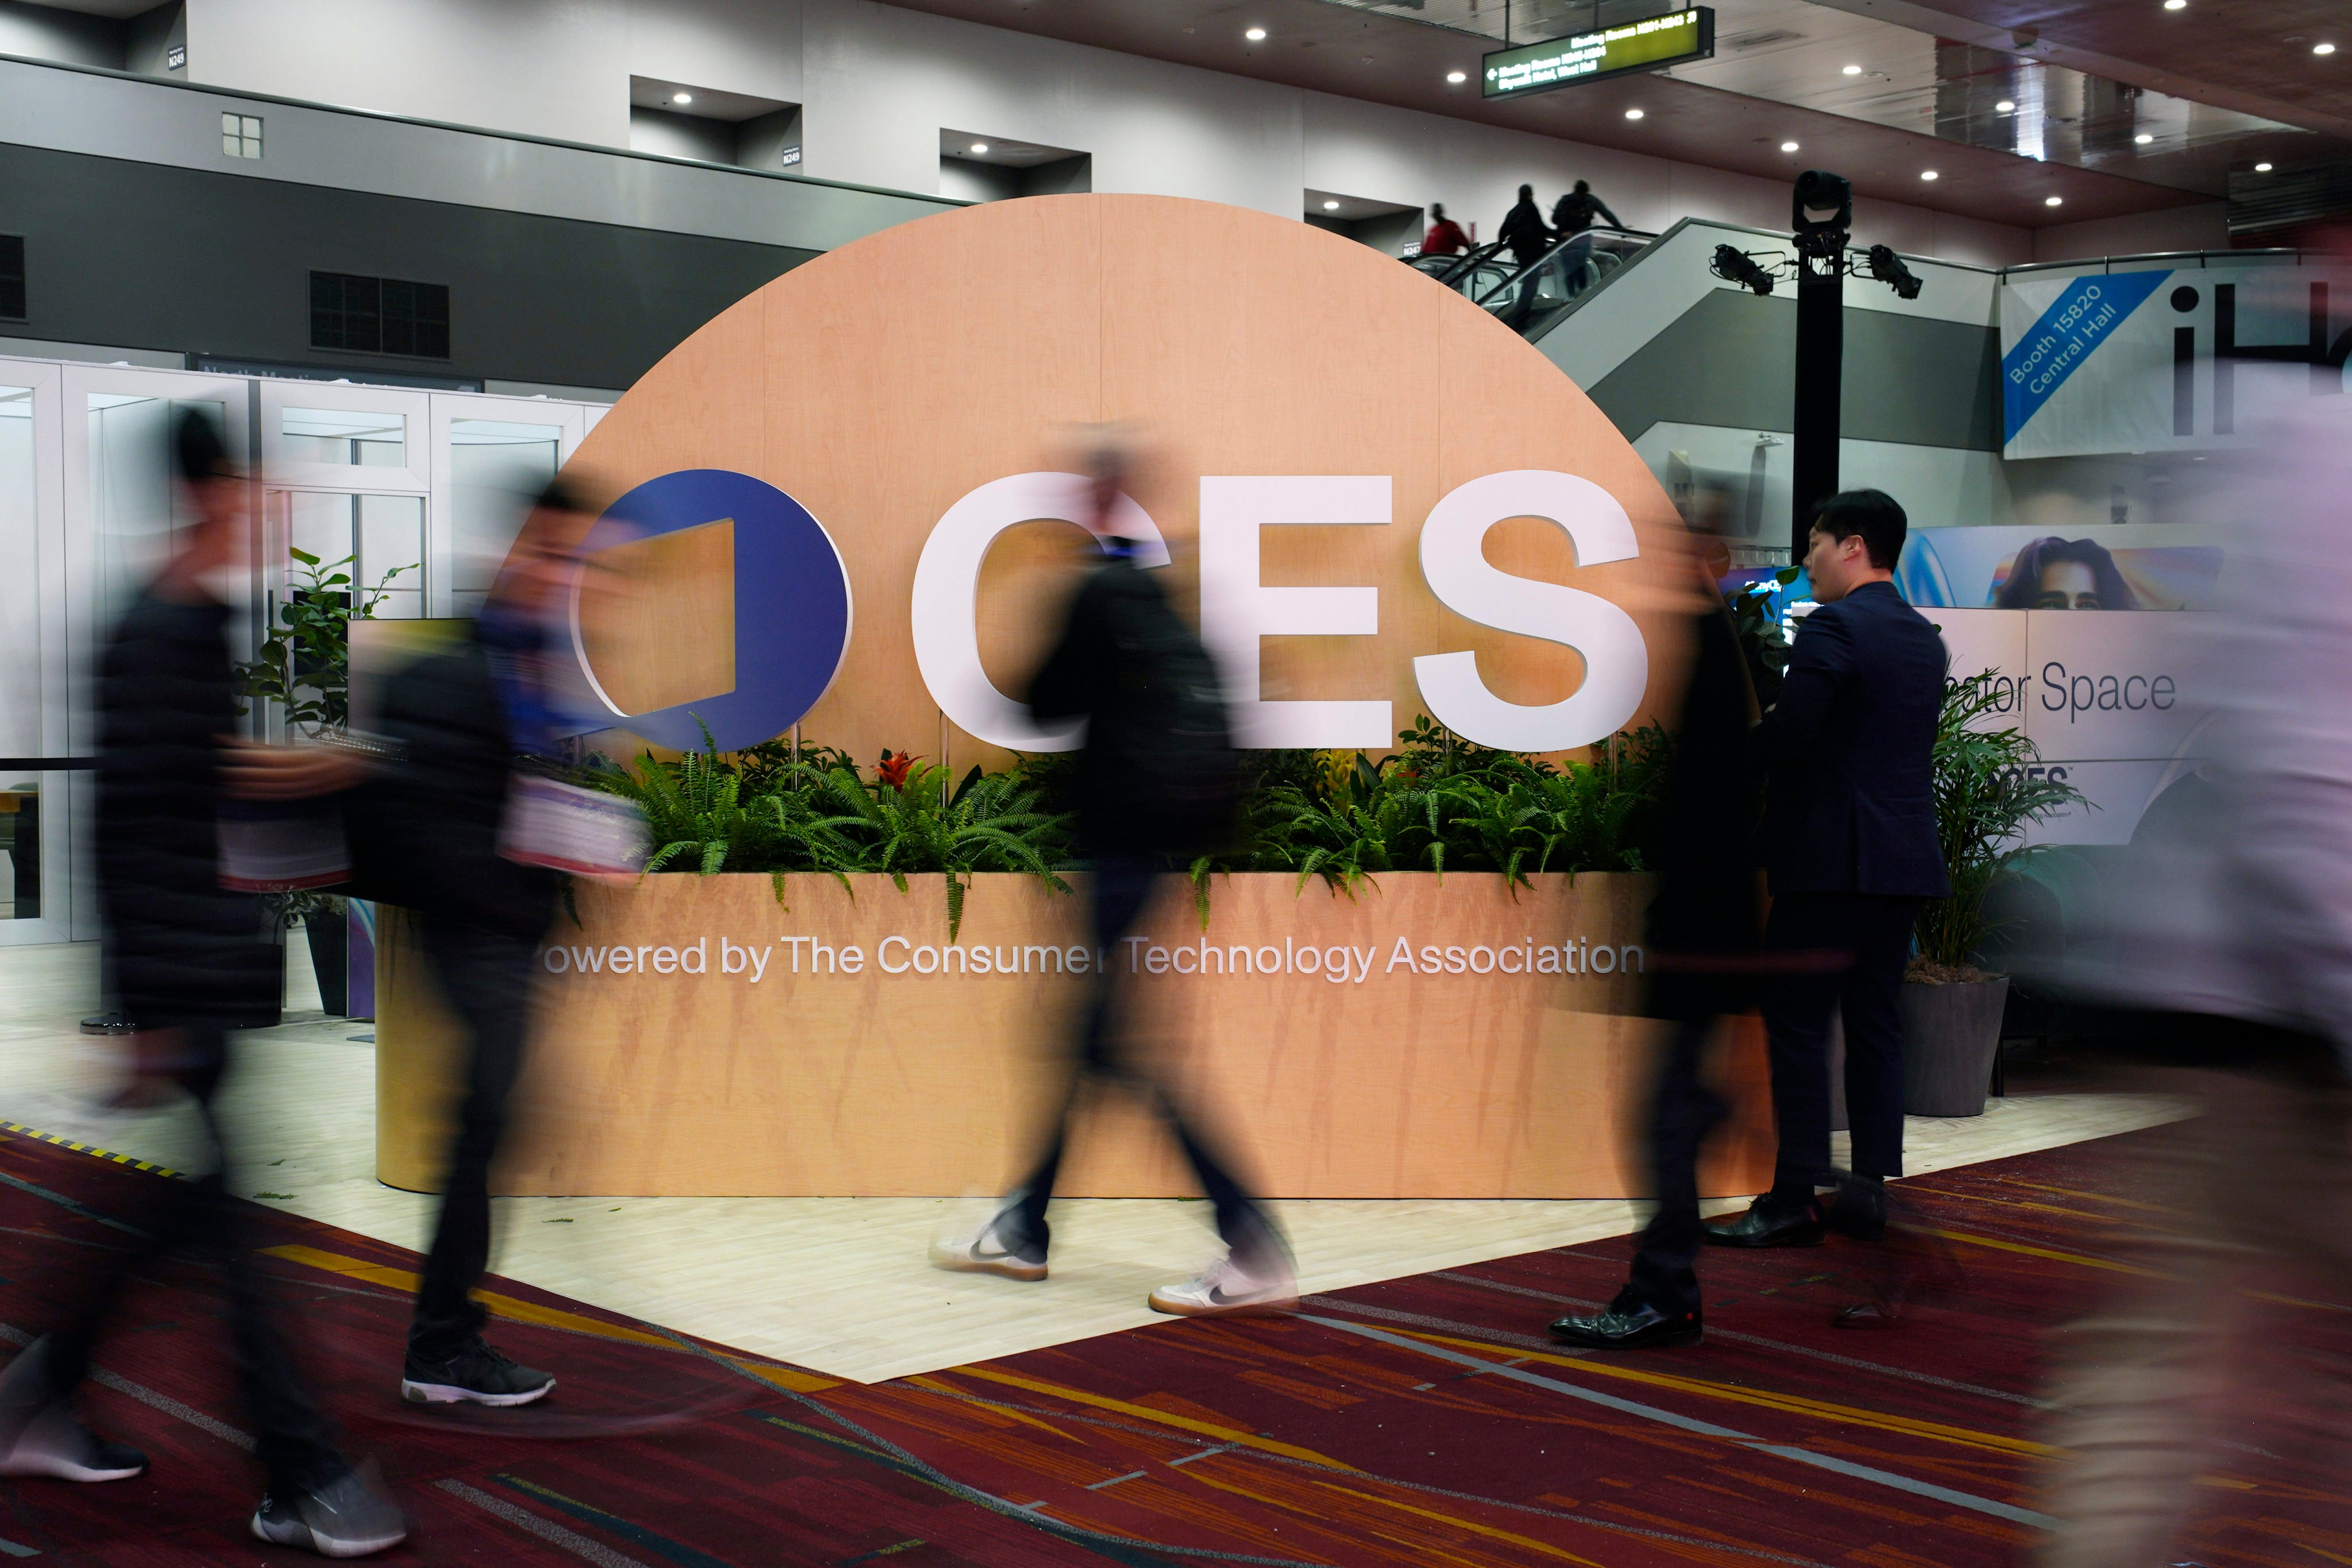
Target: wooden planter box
<point x="838" y="1044"/>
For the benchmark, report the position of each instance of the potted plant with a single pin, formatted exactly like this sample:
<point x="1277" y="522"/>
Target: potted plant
<point x="1988" y="789"/>
<point x="324" y="918"/>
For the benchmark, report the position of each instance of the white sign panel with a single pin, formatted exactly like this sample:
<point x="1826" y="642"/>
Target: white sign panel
<point x="2168" y="358"/>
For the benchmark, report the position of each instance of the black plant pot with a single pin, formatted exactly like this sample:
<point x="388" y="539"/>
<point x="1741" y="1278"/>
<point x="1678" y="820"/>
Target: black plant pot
<point x="1950" y="1035"/>
<point x="329" y="935"/>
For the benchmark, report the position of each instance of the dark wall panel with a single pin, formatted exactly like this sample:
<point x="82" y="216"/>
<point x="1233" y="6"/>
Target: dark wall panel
<point x="1730" y="359"/>
<point x="189" y="261"/>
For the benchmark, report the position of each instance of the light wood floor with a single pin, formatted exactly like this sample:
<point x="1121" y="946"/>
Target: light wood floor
<point x="838" y="1285"/>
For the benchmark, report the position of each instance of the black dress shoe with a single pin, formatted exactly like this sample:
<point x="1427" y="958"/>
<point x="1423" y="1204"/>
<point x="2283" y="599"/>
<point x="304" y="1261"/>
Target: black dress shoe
<point x="1630" y="1324"/>
<point x="1772" y="1222"/>
<point x="1859" y="1211"/>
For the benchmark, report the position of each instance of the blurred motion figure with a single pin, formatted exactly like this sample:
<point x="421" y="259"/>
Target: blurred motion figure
<point x="457" y="723"/>
<point x="190" y="962"/>
<point x="1156" y="783"/>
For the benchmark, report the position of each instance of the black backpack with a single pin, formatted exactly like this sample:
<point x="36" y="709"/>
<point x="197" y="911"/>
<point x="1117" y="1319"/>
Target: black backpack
<point x="1164" y="735"/>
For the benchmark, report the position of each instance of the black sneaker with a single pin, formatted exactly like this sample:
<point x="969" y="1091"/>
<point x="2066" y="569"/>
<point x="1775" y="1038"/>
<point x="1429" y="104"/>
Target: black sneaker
<point x="349" y="1518"/>
<point x="1629" y="1323"/>
<point x="478" y="1373"/>
<point x="56" y="1445"/>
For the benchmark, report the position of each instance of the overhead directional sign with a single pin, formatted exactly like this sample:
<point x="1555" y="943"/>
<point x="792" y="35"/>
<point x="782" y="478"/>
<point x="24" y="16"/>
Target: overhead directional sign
<point x="1648" y="44"/>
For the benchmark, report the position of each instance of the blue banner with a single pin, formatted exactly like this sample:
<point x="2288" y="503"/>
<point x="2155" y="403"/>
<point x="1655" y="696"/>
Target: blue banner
<point x="2082" y="318"/>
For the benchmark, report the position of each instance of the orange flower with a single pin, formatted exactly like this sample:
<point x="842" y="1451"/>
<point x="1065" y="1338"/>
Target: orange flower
<point x="892" y="771"/>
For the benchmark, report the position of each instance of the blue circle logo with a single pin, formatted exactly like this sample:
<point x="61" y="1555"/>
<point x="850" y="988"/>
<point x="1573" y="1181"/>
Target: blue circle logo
<point x="792" y="604"/>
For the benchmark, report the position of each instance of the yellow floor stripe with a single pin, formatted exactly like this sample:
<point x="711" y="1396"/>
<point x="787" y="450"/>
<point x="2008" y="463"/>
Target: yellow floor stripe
<point x="516" y="1312"/>
<point x="1145" y="1411"/>
<point x="1788" y="1403"/>
<point x="86" y="1148"/>
<point x="1459" y="1523"/>
<point x="934" y="1385"/>
<point x="2075" y="1257"/>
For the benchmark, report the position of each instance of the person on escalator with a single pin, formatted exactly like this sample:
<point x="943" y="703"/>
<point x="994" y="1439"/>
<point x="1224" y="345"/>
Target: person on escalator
<point x="1523" y="232"/>
<point x="1445" y="237"/>
<point x="1574" y="213"/>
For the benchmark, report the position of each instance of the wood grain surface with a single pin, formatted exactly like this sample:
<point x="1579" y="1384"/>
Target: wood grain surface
<point x="825" y="1076"/>
<point x="883" y="381"/>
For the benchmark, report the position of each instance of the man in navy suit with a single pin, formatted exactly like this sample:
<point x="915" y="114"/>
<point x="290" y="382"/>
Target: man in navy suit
<point x="1850" y="851"/>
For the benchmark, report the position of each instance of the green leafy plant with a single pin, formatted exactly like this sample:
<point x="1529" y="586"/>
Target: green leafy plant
<point x="1989" y="788"/>
<point x="305" y="660"/>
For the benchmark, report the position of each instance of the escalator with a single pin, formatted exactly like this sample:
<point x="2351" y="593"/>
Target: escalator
<point x="1531" y="298"/>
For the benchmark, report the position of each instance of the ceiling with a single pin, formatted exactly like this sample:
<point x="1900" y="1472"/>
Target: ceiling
<point x="1925" y="98"/>
<point x="979" y="147"/>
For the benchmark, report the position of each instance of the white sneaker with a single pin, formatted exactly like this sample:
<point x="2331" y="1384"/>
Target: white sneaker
<point x="985" y="1252"/>
<point x="54" y="1444"/>
<point x="1226" y="1287"/>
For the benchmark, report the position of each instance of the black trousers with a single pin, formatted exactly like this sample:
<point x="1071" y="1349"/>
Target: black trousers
<point x="1840" y="952"/>
<point x="1683" y="1112"/>
<point x="1122" y="887"/>
<point x="293" y="1440"/>
<point x="486" y="978"/>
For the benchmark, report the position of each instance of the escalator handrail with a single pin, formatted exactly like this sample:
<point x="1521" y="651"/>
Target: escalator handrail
<point x="1551" y="253"/>
<point x="1463" y="263"/>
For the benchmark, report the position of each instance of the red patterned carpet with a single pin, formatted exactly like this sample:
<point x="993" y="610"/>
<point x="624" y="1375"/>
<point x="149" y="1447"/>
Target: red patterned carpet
<point x="1422" y="1421"/>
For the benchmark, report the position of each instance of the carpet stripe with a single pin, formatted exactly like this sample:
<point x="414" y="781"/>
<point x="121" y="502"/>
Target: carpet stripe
<point x="147" y="1396"/>
<point x="613" y="1524"/>
<point x="1704" y="1428"/>
<point x="506" y="1306"/>
<point x="67" y="1204"/>
<point x="1185" y="1422"/>
<point x="596" y="1551"/>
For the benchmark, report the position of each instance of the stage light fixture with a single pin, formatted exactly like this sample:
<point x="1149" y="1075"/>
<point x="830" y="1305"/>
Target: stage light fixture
<point x="1888" y="268"/>
<point x="1739" y="267"/>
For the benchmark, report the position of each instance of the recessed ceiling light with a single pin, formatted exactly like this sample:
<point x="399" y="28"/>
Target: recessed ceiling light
<point x="1788" y="146"/>
<point x="1926" y="173"/>
<point x="2176" y="4"/>
<point x="1457" y="77"/>
<point x="2053" y="201"/>
<point x="682" y="98"/>
<point x="1854" y="70"/>
<point x="2143" y="139"/>
<point x="2005" y="106"/>
<point x="2262" y="168"/>
<point x="2323" y="48"/>
<point x="1255" y="35"/>
<point x="1632" y="114"/>
<point x="979" y="147"/>
<point x="1330" y="206"/>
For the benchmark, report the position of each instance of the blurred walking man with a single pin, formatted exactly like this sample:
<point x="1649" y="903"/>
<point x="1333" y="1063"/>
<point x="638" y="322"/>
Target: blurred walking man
<point x="191" y="963"/>
<point x="458" y="723"/>
<point x="1850" y="851"/>
<point x="1155" y="784"/>
<point x="1702" y="937"/>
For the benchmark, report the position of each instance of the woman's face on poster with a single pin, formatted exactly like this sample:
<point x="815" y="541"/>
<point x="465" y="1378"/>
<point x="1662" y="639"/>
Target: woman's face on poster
<point x="2068" y="585"/>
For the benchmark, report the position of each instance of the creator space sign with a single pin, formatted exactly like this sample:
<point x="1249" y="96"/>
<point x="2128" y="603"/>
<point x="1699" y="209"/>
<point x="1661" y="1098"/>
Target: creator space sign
<point x="754" y="959"/>
<point x="2113" y="700"/>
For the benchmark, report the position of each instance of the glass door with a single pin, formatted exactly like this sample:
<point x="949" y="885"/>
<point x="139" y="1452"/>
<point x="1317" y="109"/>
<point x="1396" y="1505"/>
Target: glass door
<point x="35" y="892"/>
<point x="492" y="456"/>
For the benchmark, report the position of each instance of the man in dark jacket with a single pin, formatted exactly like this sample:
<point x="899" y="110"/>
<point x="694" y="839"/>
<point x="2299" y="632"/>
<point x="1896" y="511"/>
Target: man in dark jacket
<point x="1703" y="966"/>
<point x="457" y="722"/>
<point x="190" y="962"/>
<point x="1850" y="850"/>
<point x="1574" y="213"/>
<point x="1155" y="785"/>
<point x="1523" y="232"/>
